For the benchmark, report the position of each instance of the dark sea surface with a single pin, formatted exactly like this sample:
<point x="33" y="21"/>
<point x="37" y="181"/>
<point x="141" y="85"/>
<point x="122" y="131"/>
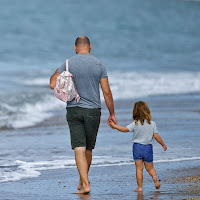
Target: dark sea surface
<point x="151" y="50"/>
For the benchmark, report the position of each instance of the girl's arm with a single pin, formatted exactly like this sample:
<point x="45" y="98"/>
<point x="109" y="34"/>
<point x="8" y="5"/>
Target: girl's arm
<point x="159" y="140"/>
<point x="119" y="128"/>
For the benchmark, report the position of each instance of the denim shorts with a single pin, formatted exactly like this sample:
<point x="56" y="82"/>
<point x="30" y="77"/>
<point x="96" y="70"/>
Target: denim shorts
<point x="83" y="124"/>
<point x="143" y="152"/>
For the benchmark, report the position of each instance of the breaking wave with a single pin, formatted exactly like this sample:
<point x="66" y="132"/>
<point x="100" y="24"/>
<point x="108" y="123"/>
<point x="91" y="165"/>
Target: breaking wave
<point x="28" y="109"/>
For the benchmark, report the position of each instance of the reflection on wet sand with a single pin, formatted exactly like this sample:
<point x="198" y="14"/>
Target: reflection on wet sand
<point x="155" y="195"/>
<point x="84" y="196"/>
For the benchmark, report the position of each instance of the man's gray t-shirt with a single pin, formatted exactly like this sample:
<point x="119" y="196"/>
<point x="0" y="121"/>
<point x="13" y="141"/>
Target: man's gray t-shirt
<point x="143" y="134"/>
<point x="87" y="72"/>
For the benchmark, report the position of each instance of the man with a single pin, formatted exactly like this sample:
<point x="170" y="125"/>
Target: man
<point x="84" y="117"/>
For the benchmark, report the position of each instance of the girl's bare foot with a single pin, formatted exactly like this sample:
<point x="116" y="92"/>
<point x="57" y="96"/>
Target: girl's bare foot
<point x="156" y="182"/>
<point x="138" y="190"/>
<point x="84" y="190"/>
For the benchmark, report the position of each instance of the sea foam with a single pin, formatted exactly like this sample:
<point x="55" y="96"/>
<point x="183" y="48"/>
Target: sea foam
<point x="140" y="84"/>
<point x="32" y="169"/>
<point x="26" y="113"/>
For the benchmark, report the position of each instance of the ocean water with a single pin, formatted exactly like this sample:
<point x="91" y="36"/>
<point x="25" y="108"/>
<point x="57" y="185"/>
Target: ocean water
<point x="151" y="50"/>
<point x="138" y="42"/>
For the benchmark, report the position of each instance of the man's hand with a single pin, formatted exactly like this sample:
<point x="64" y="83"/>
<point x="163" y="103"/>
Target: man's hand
<point x="111" y="118"/>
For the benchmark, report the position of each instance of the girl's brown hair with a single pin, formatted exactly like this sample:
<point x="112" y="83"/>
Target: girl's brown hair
<point x="141" y="112"/>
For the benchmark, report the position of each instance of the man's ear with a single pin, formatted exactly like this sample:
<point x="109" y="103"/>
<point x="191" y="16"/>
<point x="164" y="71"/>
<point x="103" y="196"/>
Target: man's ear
<point x="90" y="46"/>
<point x="75" y="47"/>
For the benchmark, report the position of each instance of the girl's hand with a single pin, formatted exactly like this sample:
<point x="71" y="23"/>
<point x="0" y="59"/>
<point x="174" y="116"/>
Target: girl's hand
<point x="112" y="124"/>
<point x="164" y="147"/>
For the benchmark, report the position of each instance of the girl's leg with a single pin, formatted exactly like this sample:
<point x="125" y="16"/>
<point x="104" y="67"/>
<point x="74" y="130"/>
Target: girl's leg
<point x="139" y="174"/>
<point x="152" y="172"/>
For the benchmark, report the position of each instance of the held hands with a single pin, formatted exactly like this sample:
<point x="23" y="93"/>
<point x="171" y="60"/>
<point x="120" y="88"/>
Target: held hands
<point x="112" y="124"/>
<point x="112" y="118"/>
<point x="164" y="147"/>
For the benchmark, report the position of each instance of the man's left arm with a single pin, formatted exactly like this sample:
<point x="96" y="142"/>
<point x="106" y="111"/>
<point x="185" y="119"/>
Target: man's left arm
<point x="53" y="79"/>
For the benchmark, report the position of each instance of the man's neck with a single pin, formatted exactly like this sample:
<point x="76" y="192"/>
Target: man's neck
<point x="83" y="52"/>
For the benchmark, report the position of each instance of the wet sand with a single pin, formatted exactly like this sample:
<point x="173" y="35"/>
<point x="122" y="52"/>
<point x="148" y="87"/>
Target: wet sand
<point x="114" y="182"/>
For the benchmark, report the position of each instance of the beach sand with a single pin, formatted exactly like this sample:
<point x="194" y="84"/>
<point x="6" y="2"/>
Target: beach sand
<point x="178" y="181"/>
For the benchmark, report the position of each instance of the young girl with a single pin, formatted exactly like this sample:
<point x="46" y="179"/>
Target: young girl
<point x="144" y="131"/>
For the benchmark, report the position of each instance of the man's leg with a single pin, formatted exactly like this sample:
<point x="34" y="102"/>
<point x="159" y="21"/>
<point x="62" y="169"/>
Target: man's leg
<point x="82" y="165"/>
<point x="88" y="155"/>
<point x="91" y="125"/>
<point x="139" y="174"/>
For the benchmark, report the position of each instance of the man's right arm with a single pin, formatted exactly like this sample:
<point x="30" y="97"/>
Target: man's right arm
<point x="108" y="99"/>
<point x="53" y="79"/>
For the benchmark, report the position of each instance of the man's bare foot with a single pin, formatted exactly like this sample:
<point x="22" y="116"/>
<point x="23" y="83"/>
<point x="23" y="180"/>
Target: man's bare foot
<point x="80" y="186"/>
<point x="84" y="190"/>
<point x="156" y="182"/>
<point x="138" y="190"/>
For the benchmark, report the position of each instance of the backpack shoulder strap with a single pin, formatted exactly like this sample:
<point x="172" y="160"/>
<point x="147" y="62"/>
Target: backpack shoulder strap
<point x="67" y="67"/>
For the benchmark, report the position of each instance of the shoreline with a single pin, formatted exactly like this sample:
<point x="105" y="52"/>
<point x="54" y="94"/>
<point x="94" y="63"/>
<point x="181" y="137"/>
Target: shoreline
<point x="114" y="182"/>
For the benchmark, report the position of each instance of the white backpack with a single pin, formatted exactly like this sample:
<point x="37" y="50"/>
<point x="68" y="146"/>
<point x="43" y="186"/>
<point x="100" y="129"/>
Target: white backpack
<point x="65" y="89"/>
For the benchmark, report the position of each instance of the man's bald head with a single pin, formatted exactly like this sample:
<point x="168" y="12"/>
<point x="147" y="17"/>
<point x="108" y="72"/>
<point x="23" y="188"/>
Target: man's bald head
<point x="82" y="45"/>
<point x="82" y="40"/>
